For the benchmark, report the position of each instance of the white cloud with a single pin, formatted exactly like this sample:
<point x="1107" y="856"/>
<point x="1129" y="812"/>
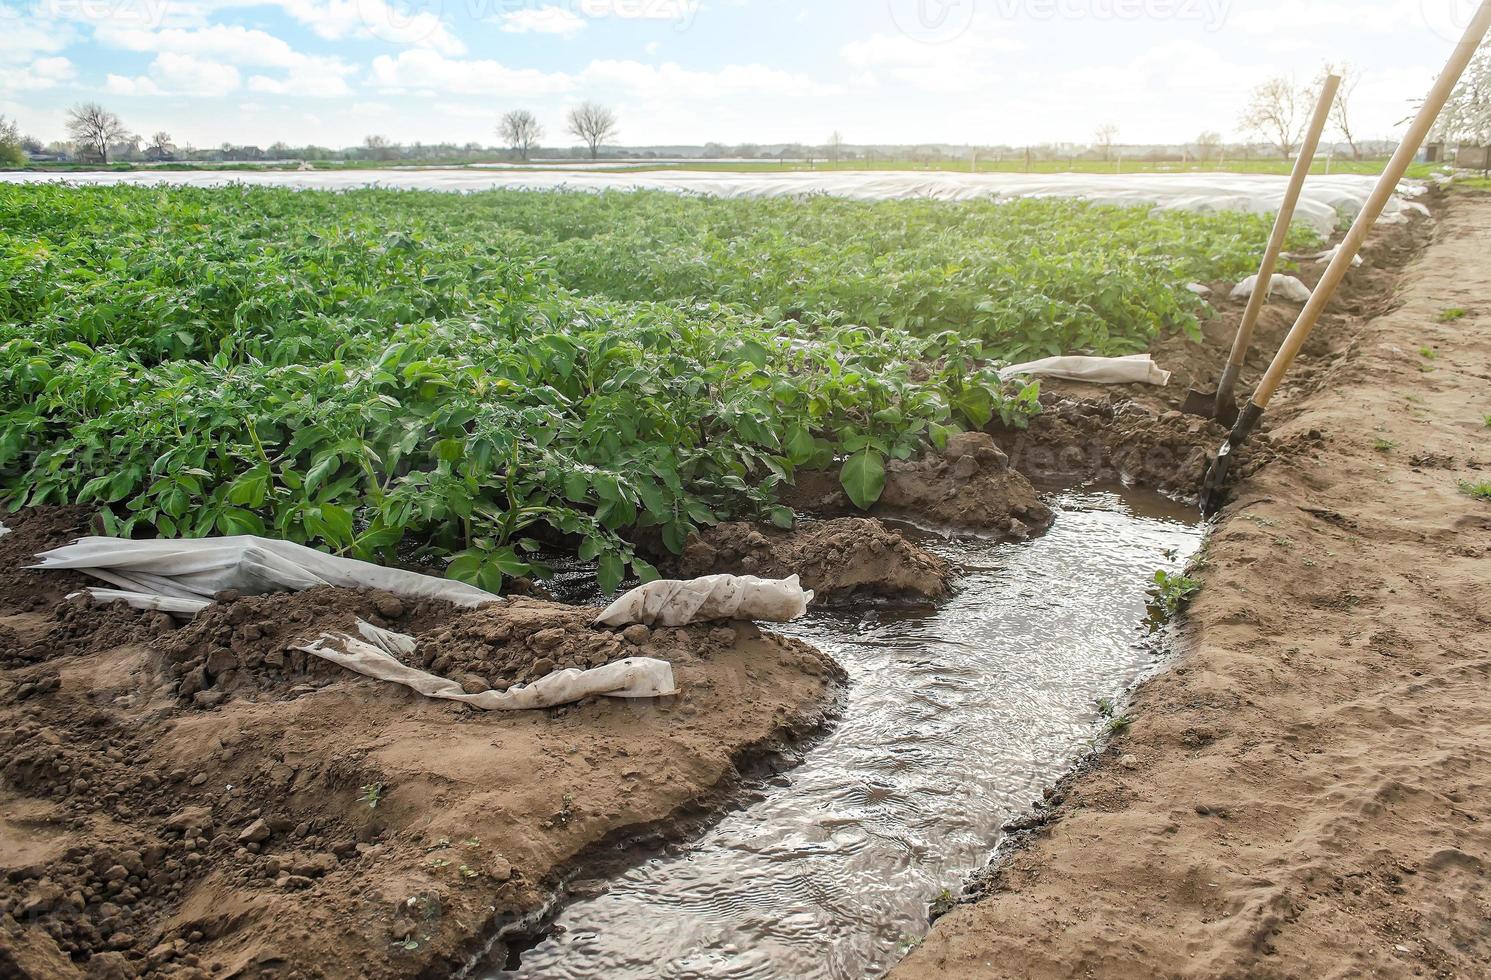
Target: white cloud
<point x="237" y="45"/>
<point x="671" y="81"/>
<point x="123" y="85"/>
<point x="421" y="70"/>
<point x="308" y="75"/>
<point x="543" y="20"/>
<point x="22" y="37"/>
<point x="338" y="19"/>
<point x="968" y="62"/>
<point x="42" y="73"/>
<point x="179" y="74"/>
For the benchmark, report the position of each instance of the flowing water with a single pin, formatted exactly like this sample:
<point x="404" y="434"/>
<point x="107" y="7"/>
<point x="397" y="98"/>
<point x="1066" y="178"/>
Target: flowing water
<point x="957" y="717"/>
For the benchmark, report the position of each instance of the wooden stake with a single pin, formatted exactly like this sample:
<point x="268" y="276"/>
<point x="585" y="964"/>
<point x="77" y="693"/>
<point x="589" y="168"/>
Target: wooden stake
<point x="1226" y="407"/>
<point x="1444" y="85"/>
<point x="1372" y="210"/>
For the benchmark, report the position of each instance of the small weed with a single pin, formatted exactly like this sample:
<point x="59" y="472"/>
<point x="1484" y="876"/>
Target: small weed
<point x="1453" y="313"/>
<point x="1117" y="726"/>
<point x="1480" y="490"/>
<point x="438" y="863"/>
<point x="1104" y="707"/>
<point x="1427" y="352"/>
<point x="1175" y="591"/>
<point x="1487" y="419"/>
<point x="439" y="845"/>
<point x="372" y="795"/>
<point x="1384" y="445"/>
<point x="943" y="903"/>
<point x="469" y="872"/>
<point x="471" y="842"/>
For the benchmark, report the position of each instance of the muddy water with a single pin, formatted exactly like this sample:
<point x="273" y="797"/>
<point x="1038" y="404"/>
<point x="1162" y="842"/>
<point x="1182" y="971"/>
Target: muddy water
<point x="957" y="717"/>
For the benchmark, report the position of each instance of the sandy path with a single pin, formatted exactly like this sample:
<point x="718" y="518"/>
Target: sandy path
<point x="1311" y="790"/>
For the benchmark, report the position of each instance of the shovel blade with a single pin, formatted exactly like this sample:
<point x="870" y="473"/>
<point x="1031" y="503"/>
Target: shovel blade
<point x="1211" y="405"/>
<point x="1200" y="402"/>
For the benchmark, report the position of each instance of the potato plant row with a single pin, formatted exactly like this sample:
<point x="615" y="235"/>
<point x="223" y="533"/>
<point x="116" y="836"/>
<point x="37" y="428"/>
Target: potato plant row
<point x="477" y="379"/>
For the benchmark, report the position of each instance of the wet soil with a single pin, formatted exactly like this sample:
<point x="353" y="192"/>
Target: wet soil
<point x="1303" y="793"/>
<point x="199" y="800"/>
<point x="970" y="485"/>
<point x="837" y="558"/>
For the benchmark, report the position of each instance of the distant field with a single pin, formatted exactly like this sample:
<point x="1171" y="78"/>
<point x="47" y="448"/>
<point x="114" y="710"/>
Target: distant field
<point x="1014" y="166"/>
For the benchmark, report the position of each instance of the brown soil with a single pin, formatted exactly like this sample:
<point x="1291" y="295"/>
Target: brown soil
<point x="199" y="800"/>
<point x="1137" y="435"/>
<point x="834" y="558"/>
<point x="1305" y="792"/>
<point x="969" y="485"/>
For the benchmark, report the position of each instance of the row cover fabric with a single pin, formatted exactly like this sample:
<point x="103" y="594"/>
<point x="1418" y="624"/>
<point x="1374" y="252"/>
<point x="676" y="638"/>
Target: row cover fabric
<point x="1326" y="199"/>
<point x="1133" y="369"/>
<point x="372" y="655"/>
<point x="183" y="575"/>
<point x="1288" y="287"/>
<point x="666" y="603"/>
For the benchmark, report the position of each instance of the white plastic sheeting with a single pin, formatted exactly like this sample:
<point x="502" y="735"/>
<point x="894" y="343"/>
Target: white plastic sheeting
<point x="1324" y="200"/>
<point x="1288" y="287"/>
<point x="667" y="603"/>
<point x="1133" y="369"/>
<point x="182" y="576"/>
<point x="1321" y="258"/>
<point x="373" y="656"/>
<point x="4" y="530"/>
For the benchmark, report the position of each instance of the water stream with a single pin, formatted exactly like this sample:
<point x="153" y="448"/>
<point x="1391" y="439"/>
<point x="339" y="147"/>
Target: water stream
<point x="957" y="717"/>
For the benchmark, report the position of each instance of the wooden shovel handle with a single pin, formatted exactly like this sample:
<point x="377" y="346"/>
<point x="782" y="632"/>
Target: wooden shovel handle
<point x="1372" y="209"/>
<point x="1282" y="221"/>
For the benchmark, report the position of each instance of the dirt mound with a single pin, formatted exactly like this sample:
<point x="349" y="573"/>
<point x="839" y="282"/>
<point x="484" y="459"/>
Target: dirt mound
<point x="970" y="485"/>
<point x="198" y="799"/>
<point x="838" y="557"/>
<point x="1111" y="437"/>
<point x="243" y="645"/>
<point x="519" y="641"/>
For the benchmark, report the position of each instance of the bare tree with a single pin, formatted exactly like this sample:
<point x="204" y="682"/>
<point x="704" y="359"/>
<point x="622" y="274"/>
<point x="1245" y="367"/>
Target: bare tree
<point x="520" y="130"/>
<point x="1207" y="145"/>
<point x="96" y="128"/>
<point x="594" y="124"/>
<point x="1340" y="115"/>
<point x="378" y="147"/>
<point x="1279" y="113"/>
<point x="1104" y="137"/>
<point x="1467" y="115"/>
<point x="160" y="145"/>
<point x="834" y="147"/>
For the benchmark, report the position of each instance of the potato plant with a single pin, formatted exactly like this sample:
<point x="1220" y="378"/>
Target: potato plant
<point x="410" y="377"/>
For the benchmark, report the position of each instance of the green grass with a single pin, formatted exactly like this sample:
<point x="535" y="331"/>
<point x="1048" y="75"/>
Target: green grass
<point x="1480" y="489"/>
<point x="479" y="378"/>
<point x="1451" y="314"/>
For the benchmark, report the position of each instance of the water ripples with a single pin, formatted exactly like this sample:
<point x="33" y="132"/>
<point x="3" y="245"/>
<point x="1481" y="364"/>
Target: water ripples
<point x="956" y="719"/>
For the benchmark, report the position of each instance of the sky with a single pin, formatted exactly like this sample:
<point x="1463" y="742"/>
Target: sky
<point x="1013" y="72"/>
